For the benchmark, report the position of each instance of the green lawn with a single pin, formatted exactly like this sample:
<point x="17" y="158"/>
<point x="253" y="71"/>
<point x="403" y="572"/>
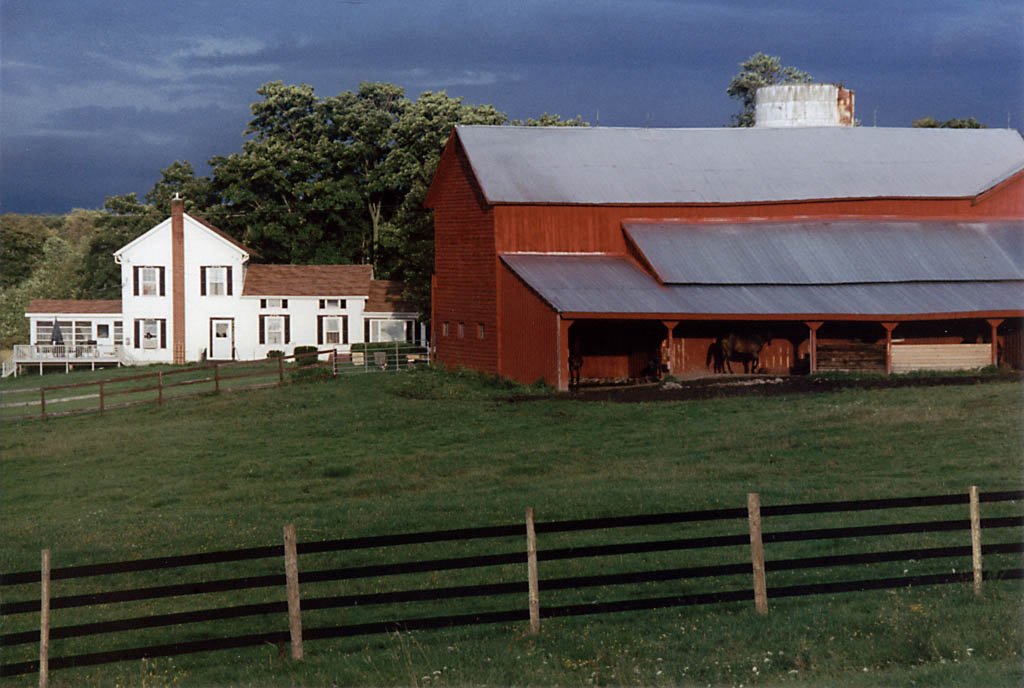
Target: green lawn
<point x="427" y="450"/>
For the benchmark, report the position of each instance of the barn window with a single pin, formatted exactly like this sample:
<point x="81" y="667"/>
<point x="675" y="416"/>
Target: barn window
<point x="462" y="330"/>
<point x="480" y="330"/>
<point x="444" y="329"/>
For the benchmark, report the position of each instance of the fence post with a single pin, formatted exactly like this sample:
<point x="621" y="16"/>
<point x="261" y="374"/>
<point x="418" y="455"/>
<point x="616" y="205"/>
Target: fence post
<point x="531" y="569"/>
<point x="101" y="396"/>
<point x="280" y="371"/>
<point x="42" y="400"/>
<point x="44" y="622"/>
<point x="757" y="553"/>
<point x="160" y="388"/>
<point x="976" y="538"/>
<point x="216" y="378"/>
<point x="291" y="573"/>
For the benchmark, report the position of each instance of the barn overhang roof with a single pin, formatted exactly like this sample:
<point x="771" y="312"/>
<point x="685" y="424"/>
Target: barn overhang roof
<point x="830" y="252"/>
<point x="830" y="270"/>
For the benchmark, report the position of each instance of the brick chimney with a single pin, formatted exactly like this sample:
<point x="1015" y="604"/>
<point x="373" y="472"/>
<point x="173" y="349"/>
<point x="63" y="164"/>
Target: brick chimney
<point x="178" y="277"/>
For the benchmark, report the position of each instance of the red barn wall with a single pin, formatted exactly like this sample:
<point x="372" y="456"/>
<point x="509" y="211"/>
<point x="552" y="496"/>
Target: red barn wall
<point x="466" y="283"/>
<point x="529" y="333"/>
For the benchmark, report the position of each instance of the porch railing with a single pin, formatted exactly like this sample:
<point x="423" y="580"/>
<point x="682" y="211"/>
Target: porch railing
<point x="34" y="353"/>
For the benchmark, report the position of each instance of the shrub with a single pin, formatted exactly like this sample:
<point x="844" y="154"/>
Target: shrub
<point x="275" y="353"/>
<point x="307" y="364"/>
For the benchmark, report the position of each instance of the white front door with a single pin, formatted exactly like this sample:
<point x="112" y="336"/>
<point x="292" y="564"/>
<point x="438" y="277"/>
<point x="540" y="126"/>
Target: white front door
<point x="222" y="339"/>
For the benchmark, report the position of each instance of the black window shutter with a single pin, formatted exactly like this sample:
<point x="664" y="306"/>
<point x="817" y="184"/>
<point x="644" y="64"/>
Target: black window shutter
<point x="202" y="281"/>
<point x="287" y="330"/>
<point x="366" y="330"/>
<point x="263" y="337"/>
<point x="229" y="280"/>
<point x="322" y="304"/>
<point x="161" y="269"/>
<point x="344" y="329"/>
<point x="263" y="303"/>
<point x="163" y="334"/>
<point x="135" y="280"/>
<point x="284" y="303"/>
<point x="319" y="329"/>
<point x="137" y="330"/>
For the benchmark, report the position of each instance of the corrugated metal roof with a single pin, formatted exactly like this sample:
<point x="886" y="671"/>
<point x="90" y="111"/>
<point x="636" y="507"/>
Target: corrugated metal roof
<point x="837" y="252"/>
<point x="615" y="285"/>
<point x="602" y="165"/>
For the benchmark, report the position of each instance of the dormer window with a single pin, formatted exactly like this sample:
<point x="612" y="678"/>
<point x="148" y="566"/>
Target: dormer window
<point x="215" y="280"/>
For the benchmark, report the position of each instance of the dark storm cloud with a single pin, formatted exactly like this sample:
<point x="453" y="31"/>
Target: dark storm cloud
<point x="98" y="97"/>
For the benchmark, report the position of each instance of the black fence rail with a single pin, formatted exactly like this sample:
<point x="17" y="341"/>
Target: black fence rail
<point x="531" y="590"/>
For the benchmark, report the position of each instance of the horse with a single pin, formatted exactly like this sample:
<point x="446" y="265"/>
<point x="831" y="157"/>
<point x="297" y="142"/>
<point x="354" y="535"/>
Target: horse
<point x="716" y="354"/>
<point x="744" y="348"/>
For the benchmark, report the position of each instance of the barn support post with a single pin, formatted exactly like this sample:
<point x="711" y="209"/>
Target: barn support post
<point x="889" y="327"/>
<point x="814" y="325"/>
<point x="562" y="383"/>
<point x="994" y="323"/>
<point x="667" y="357"/>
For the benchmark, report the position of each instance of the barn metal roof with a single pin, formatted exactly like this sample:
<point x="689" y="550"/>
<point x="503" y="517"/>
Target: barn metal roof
<point x="836" y="252"/>
<point x="602" y="165"/>
<point x="603" y="284"/>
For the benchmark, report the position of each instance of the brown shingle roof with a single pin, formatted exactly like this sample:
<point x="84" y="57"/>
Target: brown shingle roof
<point x="386" y="297"/>
<point x="307" y="280"/>
<point x="73" y="306"/>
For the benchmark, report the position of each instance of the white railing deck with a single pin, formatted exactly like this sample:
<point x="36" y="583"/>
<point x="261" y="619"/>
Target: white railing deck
<point x="45" y="354"/>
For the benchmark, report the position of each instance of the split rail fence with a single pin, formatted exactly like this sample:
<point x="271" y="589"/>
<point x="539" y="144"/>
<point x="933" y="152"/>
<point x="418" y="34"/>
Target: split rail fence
<point x="373" y="560"/>
<point x="212" y="378"/>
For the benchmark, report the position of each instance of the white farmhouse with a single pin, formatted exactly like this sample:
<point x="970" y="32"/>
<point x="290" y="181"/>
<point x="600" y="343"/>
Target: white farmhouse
<point x="188" y="293"/>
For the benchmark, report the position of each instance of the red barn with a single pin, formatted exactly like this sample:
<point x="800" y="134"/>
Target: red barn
<point x="853" y="248"/>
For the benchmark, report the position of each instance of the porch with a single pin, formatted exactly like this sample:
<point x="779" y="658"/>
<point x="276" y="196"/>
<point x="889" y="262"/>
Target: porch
<point x="67" y="355"/>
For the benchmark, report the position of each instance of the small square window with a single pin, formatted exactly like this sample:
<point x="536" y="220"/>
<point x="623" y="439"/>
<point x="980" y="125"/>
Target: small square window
<point x="102" y="331"/>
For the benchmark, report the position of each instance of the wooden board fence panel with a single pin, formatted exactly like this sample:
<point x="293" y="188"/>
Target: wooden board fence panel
<point x="910" y="357"/>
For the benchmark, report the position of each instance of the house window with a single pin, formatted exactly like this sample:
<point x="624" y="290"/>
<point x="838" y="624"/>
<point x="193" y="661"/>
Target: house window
<point x="215" y="281"/>
<point x="118" y="332"/>
<point x="102" y="331"/>
<point x="147" y="280"/>
<point x="150" y="283"/>
<point x="332" y="303"/>
<point x="151" y="333"/>
<point x="273" y="303"/>
<point x="83" y="331"/>
<point x="274" y="329"/>
<point x="480" y="330"/>
<point x="332" y="329"/>
<point x="389" y="330"/>
<point x="44" y="330"/>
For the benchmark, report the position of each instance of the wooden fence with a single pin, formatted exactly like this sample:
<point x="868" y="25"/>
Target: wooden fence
<point x="156" y="388"/>
<point x="529" y="587"/>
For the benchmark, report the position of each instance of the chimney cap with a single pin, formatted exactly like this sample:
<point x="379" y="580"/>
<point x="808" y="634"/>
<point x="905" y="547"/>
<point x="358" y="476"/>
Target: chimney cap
<point x="177" y="196"/>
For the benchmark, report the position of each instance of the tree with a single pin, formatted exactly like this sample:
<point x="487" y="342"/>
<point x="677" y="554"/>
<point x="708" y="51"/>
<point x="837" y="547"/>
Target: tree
<point x="932" y="123"/>
<point x="58" y="275"/>
<point x="21" y="244"/>
<point x="760" y="70"/>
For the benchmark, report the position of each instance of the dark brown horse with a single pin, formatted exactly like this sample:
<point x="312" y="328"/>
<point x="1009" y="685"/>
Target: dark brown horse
<point x="745" y="348"/>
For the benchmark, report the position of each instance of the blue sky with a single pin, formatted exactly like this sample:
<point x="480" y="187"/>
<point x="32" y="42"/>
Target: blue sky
<point x="99" y="96"/>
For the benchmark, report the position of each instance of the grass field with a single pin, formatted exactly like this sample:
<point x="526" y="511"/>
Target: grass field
<point x="428" y="450"/>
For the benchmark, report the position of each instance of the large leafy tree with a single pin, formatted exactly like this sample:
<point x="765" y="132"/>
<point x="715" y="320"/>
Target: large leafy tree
<point x="756" y="71"/>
